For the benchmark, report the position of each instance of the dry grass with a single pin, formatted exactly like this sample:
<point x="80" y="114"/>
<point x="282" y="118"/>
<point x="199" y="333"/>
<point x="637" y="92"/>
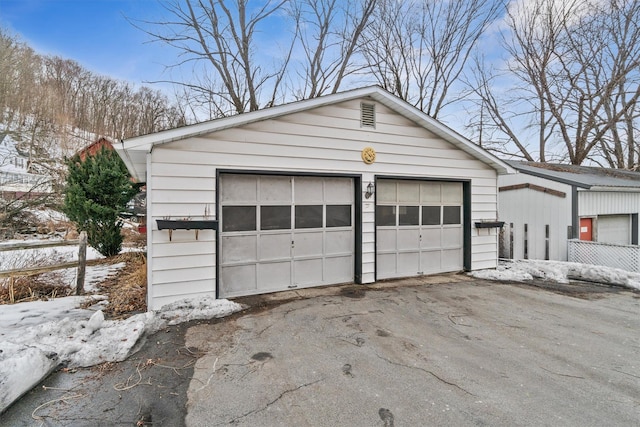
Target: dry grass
<point x="35" y="287"/>
<point x="31" y="288"/>
<point x="127" y="291"/>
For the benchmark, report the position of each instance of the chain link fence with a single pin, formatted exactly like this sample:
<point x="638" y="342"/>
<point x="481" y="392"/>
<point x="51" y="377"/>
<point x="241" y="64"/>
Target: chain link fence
<point x="625" y="257"/>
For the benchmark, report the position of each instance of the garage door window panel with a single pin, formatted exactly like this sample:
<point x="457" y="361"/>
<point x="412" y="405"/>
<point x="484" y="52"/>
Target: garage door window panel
<point x="431" y="215"/>
<point x="409" y="215"/>
<point x="309" y="216"/>
<point x="238" y="218"/>
<point x="451" y="215"/>
<point x="386" y="216"/>
<point x="338" y="215"/>
<point x="275" y="217"/>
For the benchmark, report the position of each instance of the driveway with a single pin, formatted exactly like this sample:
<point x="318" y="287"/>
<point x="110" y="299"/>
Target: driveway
<point x="436" y="351"/>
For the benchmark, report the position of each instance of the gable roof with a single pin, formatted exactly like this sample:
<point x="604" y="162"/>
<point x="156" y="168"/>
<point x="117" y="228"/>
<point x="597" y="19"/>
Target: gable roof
<point x="133" y="151"/>
<point x="587" y="177"/>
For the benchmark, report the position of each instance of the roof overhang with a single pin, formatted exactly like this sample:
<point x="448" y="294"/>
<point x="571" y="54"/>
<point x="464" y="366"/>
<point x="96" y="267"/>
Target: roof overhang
<point x="615" y="189"/>
<point x="540" y="173"/>
<point x="134" y="150"/>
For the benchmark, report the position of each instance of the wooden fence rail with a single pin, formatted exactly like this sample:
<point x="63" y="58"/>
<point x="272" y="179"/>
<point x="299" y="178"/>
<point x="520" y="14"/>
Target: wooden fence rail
<point x="30" y="271"/>
<point x="37" y="245"/>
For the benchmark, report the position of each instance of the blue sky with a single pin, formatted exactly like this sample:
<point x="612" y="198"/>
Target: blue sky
<point x="94" y="33"/>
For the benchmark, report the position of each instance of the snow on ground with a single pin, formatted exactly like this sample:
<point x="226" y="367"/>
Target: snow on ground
<point x="562" y="272"/>
<point x="38" y="336"/>
<point x="35" y="337"/>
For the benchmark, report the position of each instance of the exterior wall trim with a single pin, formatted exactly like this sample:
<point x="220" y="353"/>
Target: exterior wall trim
<point x="534" y="187"/>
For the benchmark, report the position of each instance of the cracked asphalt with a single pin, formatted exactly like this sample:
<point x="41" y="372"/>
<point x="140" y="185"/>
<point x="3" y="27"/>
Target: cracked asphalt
<point x="458" y="352"/>
<point x="436" y="350"/>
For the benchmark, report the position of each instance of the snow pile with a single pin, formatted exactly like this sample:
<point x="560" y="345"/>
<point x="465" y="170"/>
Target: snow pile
<point x="21" y="369"/>
<point x="562" y="272"/>
<point x="196" y="309"/>
<point x="37" y="336"/>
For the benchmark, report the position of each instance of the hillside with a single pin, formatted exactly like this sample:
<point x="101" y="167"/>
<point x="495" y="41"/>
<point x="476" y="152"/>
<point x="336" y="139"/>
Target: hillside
<point x="50" y="108"/>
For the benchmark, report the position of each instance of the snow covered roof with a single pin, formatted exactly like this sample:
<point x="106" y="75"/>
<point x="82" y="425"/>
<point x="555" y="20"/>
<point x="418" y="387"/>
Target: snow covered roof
<point x="133" y="151"/>
<point x="586" y="177"/>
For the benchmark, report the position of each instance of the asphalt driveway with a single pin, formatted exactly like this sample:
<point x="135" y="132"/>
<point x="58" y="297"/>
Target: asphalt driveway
<point x="434" y="351"/>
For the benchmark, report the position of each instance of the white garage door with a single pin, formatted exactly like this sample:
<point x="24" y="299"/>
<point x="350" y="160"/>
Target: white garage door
<point x="614" y="229"/>
<point x="282" y="232"/>
<point x="419" y="228"/>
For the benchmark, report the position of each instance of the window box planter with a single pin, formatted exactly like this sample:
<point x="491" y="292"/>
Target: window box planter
<point x="186" y="224"/>
<point x="489" y="224"/>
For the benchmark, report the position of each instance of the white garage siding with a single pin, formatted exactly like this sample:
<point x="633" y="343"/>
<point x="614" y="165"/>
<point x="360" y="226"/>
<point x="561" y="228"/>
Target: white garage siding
<point x="537" y="210"/>
<point x="181" y="179"/>
<point x="593" y="203"/>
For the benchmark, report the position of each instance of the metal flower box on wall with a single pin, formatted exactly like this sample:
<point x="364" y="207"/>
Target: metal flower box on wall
<point x="186" y="224"/>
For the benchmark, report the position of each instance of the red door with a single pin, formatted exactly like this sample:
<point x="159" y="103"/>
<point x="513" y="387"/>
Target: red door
<point x="586" y="229"/>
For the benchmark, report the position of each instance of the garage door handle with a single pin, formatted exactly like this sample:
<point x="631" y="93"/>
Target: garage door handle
<point x="292" y="286"/>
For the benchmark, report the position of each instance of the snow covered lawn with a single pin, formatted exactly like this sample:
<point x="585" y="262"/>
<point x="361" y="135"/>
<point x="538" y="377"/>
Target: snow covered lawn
<point x="38" y="336"/>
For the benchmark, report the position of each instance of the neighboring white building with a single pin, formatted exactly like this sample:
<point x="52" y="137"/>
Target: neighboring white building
<point x="544" y="205"/>
<point x="15" y="180"/>
<point x="351" y="187"/>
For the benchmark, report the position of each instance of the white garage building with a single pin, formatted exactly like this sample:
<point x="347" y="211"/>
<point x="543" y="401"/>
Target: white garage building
<point x="347" y="188"/>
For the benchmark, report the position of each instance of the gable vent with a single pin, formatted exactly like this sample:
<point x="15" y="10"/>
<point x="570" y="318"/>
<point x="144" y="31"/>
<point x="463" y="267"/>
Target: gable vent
<point x="367" y="115"/>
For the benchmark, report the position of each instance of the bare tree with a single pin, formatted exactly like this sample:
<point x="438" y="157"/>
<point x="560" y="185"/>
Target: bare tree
<point x="330" y="36"/>
<point x="218" y="37"/>
<point x="418" y="50"/>
<point x="572" y="78"/>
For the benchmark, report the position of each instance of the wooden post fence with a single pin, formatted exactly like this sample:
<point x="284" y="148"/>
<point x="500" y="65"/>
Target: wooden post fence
<point x="82" y="263"/>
